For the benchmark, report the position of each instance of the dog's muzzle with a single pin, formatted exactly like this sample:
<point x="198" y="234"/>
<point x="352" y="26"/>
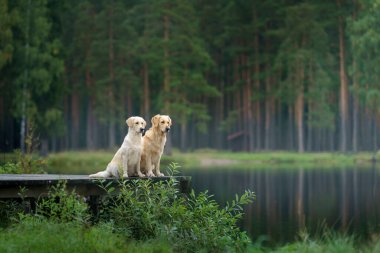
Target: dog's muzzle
<point x="167" y="129"/>
<point x="142" y="131"/>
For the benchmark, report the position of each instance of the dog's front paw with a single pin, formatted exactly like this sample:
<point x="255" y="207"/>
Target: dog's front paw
<point x="140" y="174"/>
<point x="160" y="174"/>
<point x="125" y="175"/>
<point x="150" y="174"/>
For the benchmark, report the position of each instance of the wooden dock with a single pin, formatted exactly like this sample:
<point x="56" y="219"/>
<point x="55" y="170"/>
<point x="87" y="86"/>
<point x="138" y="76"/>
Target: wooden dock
<point x="37" y="185"/>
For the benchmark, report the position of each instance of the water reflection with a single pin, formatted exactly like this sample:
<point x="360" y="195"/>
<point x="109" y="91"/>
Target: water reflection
<point x="291" y="200"/>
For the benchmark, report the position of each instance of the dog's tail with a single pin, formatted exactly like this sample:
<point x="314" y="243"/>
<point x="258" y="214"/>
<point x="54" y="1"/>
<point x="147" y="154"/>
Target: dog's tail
<point x="101" y="174"/>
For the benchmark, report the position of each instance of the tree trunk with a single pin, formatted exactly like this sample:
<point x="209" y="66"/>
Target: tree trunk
<point x="74" y="137"/>
<point x="146" y="91"/>
<point x="183" y="136"/>
<point x="268" y="99"/>
<point x="310" y="131"/>
<point x="90" y="113"/>
<point x="309" y="141"/>
<point x="299" y="106"/>
<point x="248" y="105"/>
<point x="268" y="110"/>
<point x="44" y="147"/>
<point x="129" y="100"/>
<point x="374" y="148"/>
<point x="220" y="110"/>
<point x="257" y="107"/>
<point x="237" y="95"/>
<point x="111" y="135"/>
<point x="89" y="126"/>
<point x="111" y="58"/>
<point x="343" y="94"/>
<point x="54" y="144"/>
<point x="166" y="63"/>
<point x="95" y="133"/>
<point x="168" y="146"/>
<point x="355" y="114"/>
<point x="25" y="82"/>
<point x="290" y="128"/>
<point x="367" y="126"/>
<point x="66" y="113"/>
<point x="299" y="120"/>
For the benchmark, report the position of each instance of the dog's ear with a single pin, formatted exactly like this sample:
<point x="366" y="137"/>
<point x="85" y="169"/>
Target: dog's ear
<point x="130" y="121"/>
<point x="144" y="123"/>
<point x="156" y="120"/>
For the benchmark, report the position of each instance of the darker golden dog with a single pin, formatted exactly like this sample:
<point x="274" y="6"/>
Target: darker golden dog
<point x="153" y="145"/>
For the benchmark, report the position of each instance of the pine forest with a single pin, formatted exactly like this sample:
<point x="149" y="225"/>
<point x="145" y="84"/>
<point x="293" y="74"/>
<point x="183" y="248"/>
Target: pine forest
<point x="242" y="75"/>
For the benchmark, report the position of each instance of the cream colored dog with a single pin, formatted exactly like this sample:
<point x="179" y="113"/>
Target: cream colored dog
<point x="128" y="155"/>
<point x="153" y="145"/>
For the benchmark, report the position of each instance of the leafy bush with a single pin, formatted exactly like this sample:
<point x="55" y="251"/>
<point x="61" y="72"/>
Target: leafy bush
<point x="31" y="164"/>
<point x="9" y="211"/>
<point x="58" y="206"/>
<point x="63" y="206"/>
<point x="10" y="168"/>
<point x="144" y="210"/>
<point x="26" y="164"/>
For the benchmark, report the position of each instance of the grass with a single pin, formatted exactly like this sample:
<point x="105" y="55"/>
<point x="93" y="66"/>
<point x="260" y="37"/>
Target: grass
<point x="48" y="236"/>
<point x="91" y="161"/>
<point x="326" y="244"/>
<point x="279" y="158"/>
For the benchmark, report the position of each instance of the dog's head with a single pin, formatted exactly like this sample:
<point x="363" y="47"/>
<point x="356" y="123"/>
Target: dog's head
<point x="136" y="124"/>
<point x="162" y="123"/>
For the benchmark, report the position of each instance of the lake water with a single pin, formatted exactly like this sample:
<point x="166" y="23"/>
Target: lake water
<point x="291" y="200"/>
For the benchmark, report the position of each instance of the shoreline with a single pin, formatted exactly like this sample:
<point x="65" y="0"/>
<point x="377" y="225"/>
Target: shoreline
<point x="90" y="161"/>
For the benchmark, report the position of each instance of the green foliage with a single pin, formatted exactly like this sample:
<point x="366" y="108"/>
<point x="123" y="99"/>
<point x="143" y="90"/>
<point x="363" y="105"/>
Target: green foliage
<point x="88" y="62"/>
<point x="63" y="206"/>
<point x="229" y="122"/>
<point x="35" y="67"/>
<point x="10" y="168"/>
<point x="365" y="40"/>
<point x="144" y="210"/>
<point x="27" y="164"/>
<point x="6" y="36"/>
<point x="9" y="211"/>
<point x="305" y="62"/>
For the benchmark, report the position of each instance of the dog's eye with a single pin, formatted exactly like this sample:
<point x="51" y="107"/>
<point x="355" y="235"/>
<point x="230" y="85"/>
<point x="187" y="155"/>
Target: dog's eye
<point x="137" y="123"/>
<point x="162" y="122"/>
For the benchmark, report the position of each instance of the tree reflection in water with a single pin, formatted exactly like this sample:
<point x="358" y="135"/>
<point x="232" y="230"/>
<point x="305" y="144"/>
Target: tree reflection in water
<point x="293" y="200"/>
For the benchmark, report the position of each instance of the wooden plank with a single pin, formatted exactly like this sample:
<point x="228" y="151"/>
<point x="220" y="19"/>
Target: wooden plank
<point x="37" y="185"/>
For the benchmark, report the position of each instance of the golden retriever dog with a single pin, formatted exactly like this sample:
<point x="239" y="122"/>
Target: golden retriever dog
<point x="153" y="145"/>
<point x="128" y="155"/>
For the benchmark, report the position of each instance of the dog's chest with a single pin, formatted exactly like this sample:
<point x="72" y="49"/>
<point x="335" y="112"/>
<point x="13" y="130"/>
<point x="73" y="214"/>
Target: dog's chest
<point x="136" y="150"/>
<point x="158" y="144"/>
